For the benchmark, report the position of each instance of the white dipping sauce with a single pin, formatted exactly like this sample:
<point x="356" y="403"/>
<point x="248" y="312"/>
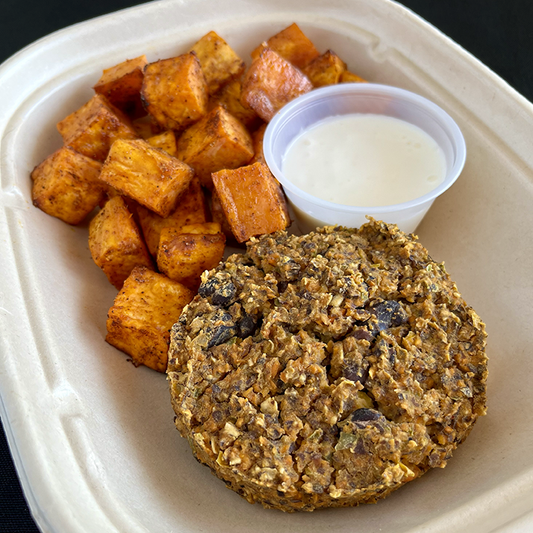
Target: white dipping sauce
<point x="364" y="160"/>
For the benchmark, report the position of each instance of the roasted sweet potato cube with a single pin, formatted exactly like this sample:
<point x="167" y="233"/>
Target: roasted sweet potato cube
<point x="291" y="44"/>
<point x="132" y="205"/>
<point x="326" y="69"/>
<point x="174" y="91"/>
<point x="147" y="127"/>
<point x="204" y="228"/>
<point x="350" y="77"/>
<point x="218" y="60"/>
<point x="270" y="83"/>
<point x="219" y="216"/>
<point x="252" y="201"/>
<point x="257" y="139"/>
<point x="115" y="242"/>
<point x="66" y="185"/>
<point x="92" y="129"/>
<point x="217" y="141"/>
<point x="165" y="141"/>
<point x="184" y="256"/>
<point x="148" y="175"/>
<point x="142" y="315"/>
<point x="191" y="209"/>
<point x="121" y="85"/>
<point x="229" y="97"/>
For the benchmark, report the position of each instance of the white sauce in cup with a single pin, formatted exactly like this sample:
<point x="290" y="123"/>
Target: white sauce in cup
<point x="364" y="160"/>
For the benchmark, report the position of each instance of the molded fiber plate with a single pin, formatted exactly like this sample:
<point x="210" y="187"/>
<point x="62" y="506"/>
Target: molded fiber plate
<point x="93" y="437"/>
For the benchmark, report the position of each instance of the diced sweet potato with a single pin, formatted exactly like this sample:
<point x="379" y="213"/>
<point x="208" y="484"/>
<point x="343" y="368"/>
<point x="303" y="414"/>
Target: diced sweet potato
<point x="257" y="139"/>
<point x="204" y="228"/>
<point x="218" y="60"/>
<point x="350" y="77"/>
<point x="66" y="185"/>
<point x="115" y="242"/>
<point x="252" y="201"/>
<point x="174" y="91"/>
<point x="326" y="69"/>
<point x="132" y="205"/>
<point x="92" y="129"/>
<point x="148" y="175"/>
<point x="270" y="83"/>
<point x="291" y="44"/>
<point x="229" y="97"/>
<point x="142" y="315"/>
<point x="219" y="216"/>
<point x="184" y="256"/>
<point x="121" y="85"/>
<point x="147" y="127"/>
<point x="191" y="209"/>
<point x="165" y="141"/>
<point x="217" y="141"/>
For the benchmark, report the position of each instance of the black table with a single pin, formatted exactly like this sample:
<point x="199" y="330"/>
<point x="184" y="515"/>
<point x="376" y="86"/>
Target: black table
<point x="496" y="31"/>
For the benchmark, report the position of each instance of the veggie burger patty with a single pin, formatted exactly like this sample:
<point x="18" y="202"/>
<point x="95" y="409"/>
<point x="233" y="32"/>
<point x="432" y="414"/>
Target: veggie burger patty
<point x="327" y="369"/>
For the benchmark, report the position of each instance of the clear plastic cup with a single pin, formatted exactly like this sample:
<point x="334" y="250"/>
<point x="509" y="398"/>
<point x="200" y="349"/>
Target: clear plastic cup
<point x="348" y="98"/>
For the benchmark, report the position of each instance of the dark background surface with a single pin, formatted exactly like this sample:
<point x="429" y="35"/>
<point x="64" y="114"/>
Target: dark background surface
<point x="498" y="32"/>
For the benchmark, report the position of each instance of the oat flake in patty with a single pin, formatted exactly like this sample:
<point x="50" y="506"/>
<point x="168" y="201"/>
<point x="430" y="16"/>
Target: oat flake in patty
<point x="327" y="369"/>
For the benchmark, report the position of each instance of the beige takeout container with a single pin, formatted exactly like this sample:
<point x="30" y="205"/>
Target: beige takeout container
<point x="93" y="437"/>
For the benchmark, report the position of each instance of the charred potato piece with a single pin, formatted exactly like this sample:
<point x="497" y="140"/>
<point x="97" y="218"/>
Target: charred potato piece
<point x="350" y="77"/>
<point x="92" y="129"/>
<point x="326" y="69"/>
<point x="270" y="83"/>
<point x="121" y="85"/>
<point x="218" y="60"/>
<point x="291" y="44"/>
<point x="191" y="209"/>
<point x="66" y="185"/>
<point x="229" y="97"/>
<point x="174" y="91"/>
<point x="165" y="141"/>
<point x="148" y="175"/>
<point x="217" y="141"/>
<point x="140" y="319"/>
<point x="252" y="201"/>
<point x="115" y="242"/>
<point x="184" y="256"/>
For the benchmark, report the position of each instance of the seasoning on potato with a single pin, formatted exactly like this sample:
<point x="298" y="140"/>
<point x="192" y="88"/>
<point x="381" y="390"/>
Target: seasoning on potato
<point x="184" y="253"/>
<point x="191" y="209"/>
<point x="146" y="174"/>
<point x="326" y="69"/>
<point x="270" y="83"/>
<point x="115" y="242"/>
<point x="66" y="185"/>
<point x="217" y="141"/>
<point x="140" y="319"/>
<point x="144" y="151"/>
<point x="292" y="45"/>
<point x="121" y="85"/>
<point x="94" y="127"/>
<point x="174" y="91"/>
<point x="218" y="60"/>
<point x="252" y="201"/>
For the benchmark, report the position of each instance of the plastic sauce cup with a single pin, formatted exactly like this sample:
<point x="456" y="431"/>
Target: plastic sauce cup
<point x="348" y="98"/>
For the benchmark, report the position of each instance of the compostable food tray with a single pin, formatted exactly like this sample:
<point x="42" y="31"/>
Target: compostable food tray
<point x="93" y="437"/>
